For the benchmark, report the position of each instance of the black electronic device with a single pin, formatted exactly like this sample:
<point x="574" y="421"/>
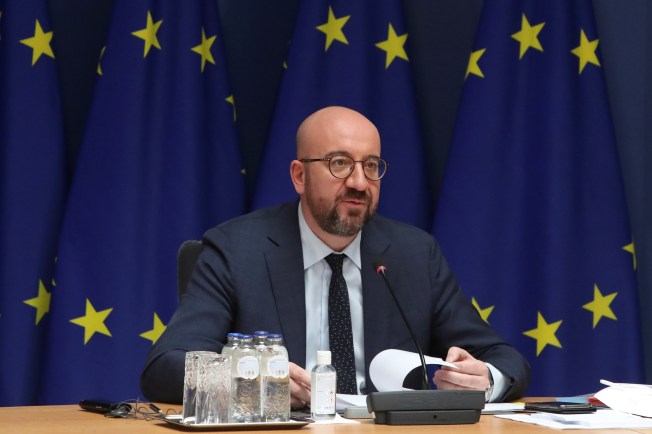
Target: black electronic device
<point x="426" y="407"/>
<point x="104" y="407"/>
<point x="560" y="407"/>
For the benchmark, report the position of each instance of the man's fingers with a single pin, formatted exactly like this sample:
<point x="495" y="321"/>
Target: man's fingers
<point x="299" y="386"/>
<point x="300" y="375"/>
<point x="456" y="354"/>
<point x="471" y="376"/>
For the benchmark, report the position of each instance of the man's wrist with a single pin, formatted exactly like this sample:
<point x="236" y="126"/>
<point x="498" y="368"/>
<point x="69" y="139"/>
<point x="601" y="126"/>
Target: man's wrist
<point x="489" y="390"/>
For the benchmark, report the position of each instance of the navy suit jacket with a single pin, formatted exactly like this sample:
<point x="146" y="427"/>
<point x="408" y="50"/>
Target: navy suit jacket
<point x="250" y="277"/>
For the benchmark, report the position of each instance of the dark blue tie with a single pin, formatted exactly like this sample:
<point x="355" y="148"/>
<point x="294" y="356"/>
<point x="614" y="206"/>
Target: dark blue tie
<point x="339" y="325"/>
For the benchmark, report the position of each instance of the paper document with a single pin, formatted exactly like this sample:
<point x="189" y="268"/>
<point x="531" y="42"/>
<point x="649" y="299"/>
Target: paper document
<point x="601" y="419"/>
<point x="337" y="420"/>
<point x="627" y="397"/>
<point x="502" y="407"/>
<point x="390" y="367"/>
<point x="343" y="401"/>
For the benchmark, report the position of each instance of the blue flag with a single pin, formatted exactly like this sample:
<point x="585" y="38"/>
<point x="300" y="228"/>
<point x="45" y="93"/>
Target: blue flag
<point x="532" y="215"/>
<point x="32" y="189"/>
<point x="159" y="164"/>
<point x="352" y="54"/>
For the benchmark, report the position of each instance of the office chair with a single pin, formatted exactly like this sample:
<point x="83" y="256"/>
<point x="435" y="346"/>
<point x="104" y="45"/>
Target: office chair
<point x="186" y="260"/>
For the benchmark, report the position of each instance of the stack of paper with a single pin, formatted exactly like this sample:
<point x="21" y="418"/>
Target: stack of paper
<point x="626" y="397"/>
<point x="601" y="419"/>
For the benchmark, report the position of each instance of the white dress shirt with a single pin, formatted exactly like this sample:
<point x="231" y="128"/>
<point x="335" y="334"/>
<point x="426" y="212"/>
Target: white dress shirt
<point x="317" y="275"/>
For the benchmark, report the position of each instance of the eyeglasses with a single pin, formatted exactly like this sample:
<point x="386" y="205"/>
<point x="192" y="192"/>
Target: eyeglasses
<point x="341" y="166"/>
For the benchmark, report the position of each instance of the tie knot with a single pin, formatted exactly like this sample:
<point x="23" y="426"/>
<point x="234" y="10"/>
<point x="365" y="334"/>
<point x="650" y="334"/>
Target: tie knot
<point x="335" y="261"/>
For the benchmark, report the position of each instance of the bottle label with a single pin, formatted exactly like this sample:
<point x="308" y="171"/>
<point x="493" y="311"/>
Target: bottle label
<point x="278" y="367"/>
<point x="323" y="393"/>
<point x="248" y="367"/>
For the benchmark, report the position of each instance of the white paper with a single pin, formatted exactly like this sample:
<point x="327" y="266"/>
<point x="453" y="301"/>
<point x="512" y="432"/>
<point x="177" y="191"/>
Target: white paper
<point x="627" y="397"/>
<point x="390" y="367"/>
<point x="343" y="401"/>
<point x="601" y="419"/>
<point x="502" y="407"/>
<point x="337" y="420"/>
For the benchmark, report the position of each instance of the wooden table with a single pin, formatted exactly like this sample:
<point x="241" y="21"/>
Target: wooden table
<point x="70" y="419"/>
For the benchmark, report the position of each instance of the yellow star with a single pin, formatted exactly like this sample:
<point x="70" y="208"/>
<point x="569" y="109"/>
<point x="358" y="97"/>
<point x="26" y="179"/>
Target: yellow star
<point x="333" y="29"/>
<point x="39" y="43"/>
<point x="93" y="321"/>
<point x="204" y="49"/>
<point x="600" y="306"/>
<point x="41" y="302"/>
<point x="99" y="62"/>
<point x="231" y="100"/>
<point x="484" y="313"/>
<point x="528" y="36"/>
<point x="544" y="333"/>
<point x="473" y="67"/>
<point x="157" y="330"/>
<point x="631" y="249"/>
<point x="586" y="51"/>
<point x="393" y="46"/>
<point x="148" y="34"/>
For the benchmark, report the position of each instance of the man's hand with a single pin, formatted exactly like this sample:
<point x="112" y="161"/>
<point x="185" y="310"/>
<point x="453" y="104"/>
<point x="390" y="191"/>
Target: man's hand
<point x="472" y="374"/>
<point x="299" y="386"/>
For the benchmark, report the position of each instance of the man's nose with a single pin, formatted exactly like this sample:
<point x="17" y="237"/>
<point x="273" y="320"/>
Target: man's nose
<point x="357" y="178"/>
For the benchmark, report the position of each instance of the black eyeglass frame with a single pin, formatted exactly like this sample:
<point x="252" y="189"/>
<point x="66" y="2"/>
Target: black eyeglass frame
<point x="313" y="160"/>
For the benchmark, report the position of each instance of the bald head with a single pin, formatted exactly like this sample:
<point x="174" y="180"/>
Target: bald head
<point x="336" y="207"/>
<point x="332" y="125"/>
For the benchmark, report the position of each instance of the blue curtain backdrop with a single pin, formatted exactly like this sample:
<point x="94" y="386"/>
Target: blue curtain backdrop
<point x="353" y="54"/>
<point x="159" y="164"/>
<point x="532" y="215"/>
<point x="32" y="189"/>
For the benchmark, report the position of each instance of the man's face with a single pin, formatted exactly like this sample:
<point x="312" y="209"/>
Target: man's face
<point x="342" y="206"/>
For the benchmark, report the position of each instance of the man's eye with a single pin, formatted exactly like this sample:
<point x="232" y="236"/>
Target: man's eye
<point x="339" y="162"/>
<point x="371" y="165"/>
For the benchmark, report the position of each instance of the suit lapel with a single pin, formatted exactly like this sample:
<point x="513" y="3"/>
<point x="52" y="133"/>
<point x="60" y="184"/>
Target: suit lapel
<point x="284" y="259"/>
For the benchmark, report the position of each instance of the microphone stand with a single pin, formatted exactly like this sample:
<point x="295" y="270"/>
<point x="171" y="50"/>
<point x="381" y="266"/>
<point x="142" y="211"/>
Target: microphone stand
<point x="426" y="382"/>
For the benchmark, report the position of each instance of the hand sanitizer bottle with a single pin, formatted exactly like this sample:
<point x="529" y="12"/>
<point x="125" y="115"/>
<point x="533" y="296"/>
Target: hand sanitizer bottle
<point x="323" y="387"/>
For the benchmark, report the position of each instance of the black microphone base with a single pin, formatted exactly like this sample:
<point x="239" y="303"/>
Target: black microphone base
<point x="427" y="417"/>
<point x="426" y="407"/>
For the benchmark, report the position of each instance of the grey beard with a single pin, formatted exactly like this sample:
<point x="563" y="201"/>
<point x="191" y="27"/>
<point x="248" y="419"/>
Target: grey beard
<point x="334" y="225"/>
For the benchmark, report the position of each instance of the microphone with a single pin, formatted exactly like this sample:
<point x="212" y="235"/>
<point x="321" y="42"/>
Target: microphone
<point x="381" y="269"/>
<point x="422" y="407"/>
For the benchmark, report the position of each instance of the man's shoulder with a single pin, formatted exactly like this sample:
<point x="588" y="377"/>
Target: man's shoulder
<point x="394" y="228"/>
<point x="260" y="219"/>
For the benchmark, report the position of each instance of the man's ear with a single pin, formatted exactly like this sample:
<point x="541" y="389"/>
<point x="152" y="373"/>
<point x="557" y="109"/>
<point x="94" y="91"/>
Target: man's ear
<point x="298" y="176"/>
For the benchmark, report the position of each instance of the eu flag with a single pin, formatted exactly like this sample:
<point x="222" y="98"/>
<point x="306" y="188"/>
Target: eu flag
<point x="352" y="54"/>
<point x="32" y="189"/>
<point x="532" y="214"/>
<point x="159" y="164"/>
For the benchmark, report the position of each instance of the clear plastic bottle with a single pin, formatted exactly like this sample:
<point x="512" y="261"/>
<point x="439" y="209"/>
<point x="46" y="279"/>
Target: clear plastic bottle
<point x="245" y="383"/>
<point x="275" y="372"/>
<point x="323" y="388"/>
<point x="232" y="341"/>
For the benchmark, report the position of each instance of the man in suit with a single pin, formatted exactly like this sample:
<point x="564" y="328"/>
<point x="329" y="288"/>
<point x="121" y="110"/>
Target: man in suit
<point x="267" y="270"/>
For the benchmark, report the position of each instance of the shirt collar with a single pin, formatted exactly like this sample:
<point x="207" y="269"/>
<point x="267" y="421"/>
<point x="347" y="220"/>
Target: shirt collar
<point x="314" y="249"/>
